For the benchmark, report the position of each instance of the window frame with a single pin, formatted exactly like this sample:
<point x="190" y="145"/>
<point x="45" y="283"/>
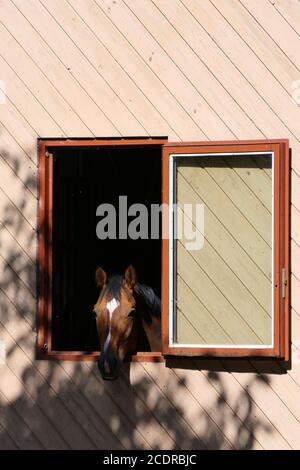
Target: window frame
<point x="281" y="283"/>
<point x="280" y="147"/>
<point x="45" y="216"/>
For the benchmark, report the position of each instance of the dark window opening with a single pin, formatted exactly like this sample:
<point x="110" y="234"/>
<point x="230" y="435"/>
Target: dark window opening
<point x="84" y="178"/>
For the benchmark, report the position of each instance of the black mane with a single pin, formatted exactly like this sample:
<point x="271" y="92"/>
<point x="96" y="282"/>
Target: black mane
<point x="151" y="300"/>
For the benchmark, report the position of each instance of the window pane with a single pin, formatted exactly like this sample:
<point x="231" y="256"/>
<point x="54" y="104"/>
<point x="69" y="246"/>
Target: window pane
<point x="222" y="254"/>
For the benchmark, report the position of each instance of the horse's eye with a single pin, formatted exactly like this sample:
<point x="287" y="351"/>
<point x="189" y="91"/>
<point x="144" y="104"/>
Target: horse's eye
<point x="94" y="313"/>
<point x="131" y="313"/>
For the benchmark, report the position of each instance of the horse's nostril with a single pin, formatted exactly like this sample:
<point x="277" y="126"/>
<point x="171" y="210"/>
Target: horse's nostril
<point x="109" y="377"/>
<point x="108" y="367"/>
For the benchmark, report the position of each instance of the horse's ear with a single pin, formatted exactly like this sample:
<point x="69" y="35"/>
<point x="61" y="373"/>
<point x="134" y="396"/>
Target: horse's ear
<point x="130" y="277"/>
<point x="100" y="277"/>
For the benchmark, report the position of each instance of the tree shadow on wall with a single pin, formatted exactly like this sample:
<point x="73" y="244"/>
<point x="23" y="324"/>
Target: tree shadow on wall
<point x="66" y="405"/>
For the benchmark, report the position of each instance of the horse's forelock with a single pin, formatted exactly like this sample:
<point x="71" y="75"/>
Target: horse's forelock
<point x="113" y="288"/>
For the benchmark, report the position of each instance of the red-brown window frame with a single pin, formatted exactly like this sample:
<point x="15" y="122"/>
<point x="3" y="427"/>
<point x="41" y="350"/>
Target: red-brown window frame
<point x="280" y="148"/>
<point x="45" y="214"/>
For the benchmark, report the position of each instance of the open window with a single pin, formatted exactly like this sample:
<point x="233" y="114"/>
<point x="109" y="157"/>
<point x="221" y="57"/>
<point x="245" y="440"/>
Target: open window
<point x="221" y="267"/>
<point x="226" y="259"/>
<point x="76" y="176"/>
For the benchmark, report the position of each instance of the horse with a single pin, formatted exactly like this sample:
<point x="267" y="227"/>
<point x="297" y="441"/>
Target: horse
<point x="128" y="318"/>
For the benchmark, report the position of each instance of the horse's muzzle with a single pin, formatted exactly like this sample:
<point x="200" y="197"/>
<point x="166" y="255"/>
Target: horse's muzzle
<point x="108" y="366"/>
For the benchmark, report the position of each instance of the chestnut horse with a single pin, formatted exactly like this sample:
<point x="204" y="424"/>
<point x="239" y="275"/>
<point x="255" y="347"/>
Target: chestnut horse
<point x="128" y="319"/>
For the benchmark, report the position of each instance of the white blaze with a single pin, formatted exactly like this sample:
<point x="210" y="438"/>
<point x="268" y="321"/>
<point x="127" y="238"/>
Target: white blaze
<point x="111" y="307"/>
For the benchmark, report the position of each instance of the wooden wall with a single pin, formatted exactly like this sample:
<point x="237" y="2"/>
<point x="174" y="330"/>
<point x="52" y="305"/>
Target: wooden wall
<point x="187" y="69"/>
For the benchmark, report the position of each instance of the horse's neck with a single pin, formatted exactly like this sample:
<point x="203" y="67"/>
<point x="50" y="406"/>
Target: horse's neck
<point x="153" y="332"/>
<point x="150" y="307"/>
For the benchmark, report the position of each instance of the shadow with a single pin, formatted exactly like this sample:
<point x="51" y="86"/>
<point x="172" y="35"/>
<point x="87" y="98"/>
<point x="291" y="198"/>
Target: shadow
<point x="239" y="365"/>
<point x="66" y="404"/>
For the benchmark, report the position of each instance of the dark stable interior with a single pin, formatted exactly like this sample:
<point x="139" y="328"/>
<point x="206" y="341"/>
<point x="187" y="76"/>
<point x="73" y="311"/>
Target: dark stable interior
<point x="84" y="178"/>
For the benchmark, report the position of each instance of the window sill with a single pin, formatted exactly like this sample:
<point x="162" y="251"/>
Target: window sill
<point x="93" y="356"/>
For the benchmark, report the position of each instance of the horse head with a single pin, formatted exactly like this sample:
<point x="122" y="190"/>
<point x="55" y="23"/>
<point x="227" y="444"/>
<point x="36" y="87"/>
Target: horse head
<point x="124" y="312"/>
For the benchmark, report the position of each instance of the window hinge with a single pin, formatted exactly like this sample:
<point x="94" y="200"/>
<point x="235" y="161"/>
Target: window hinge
<point x="283" y="283"/>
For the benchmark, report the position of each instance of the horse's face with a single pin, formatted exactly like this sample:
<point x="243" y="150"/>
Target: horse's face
<point x="115" y="311"/>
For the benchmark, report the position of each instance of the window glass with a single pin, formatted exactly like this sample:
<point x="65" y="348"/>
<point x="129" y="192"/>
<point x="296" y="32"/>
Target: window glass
<point x="221" y="255"/>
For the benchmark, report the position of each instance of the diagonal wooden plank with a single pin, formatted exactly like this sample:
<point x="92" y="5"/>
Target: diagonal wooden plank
<point x="27" y="104"/>
<point x="295" y="259"/>
<point x="112" y="413"/>
<point x="295" y="297"/>
<point x="144" y="420"/>
<point x="47" y="95"/>
<point x="137" y="69"/>
<point x="284" y="386"/>
<point x="208" y="431"/>
<point x="6" y="441"/>
<point x="17" y="259"/>
<point x="19" y="197"/>
<point x="21" y="135"/>
<point x="16" y="237"/>
<point x="18" y="397"/>
<point x="165" y="407"/>
<point x="58" y="383"/>
<point x="272" y="405"/>
<point x="295" y="190"/>
<point x="199" y="76"/>
<point x="14" y="289"/>
<point x="45" y="397"/>
<point x="14" y="423"/>
<point x="290" y="11"/>
<point x="101" y="59"/>
<point x="22" y="163"/>
<point x="274" y="25"/>
<point x="169" y="74"/>
<point x="213" y="400"/>
<point x="262" y="45"/>
<point x="100" y="91"/>
<point x="248" y="64"/>
<point x="295" y="225"/>
<point x="78" y="99"/>
<point x="191" y="21"/>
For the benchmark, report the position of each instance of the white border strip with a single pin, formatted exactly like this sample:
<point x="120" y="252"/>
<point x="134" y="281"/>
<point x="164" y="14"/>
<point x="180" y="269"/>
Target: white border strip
<point x="171" y="254"/>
